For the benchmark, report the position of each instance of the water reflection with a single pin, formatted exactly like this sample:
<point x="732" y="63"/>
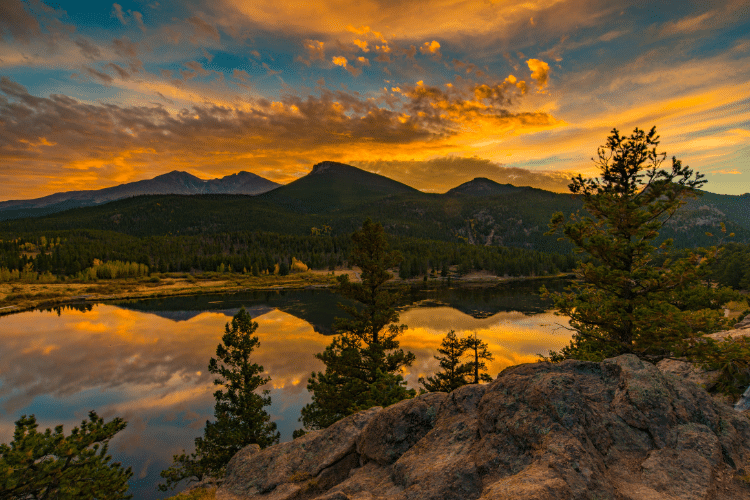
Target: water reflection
<point x="147" y="361"/>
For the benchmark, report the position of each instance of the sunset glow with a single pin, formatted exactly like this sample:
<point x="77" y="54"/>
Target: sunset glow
<point x="151" y="370"/>
<point x="429" y="93"/>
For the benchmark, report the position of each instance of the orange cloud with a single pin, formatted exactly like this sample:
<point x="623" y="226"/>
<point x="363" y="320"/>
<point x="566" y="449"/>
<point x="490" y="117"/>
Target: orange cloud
<point x="255" y="134"/>
<point x="733" y="171"/>
<point x="362" y="45"/>
<point x="404" y="20"/>
<point x="315" y="52"/>
<point x="342" y="61"/>
<point x="364" y="30"/>
<point x="432" y="48"/>
<point x="455" y="170"/>
<point x="539" y="71"/>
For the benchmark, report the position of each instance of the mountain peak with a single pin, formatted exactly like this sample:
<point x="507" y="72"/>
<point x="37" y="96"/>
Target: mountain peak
<point x="482" y="186"/>
<point x="332" y="185"/>
<point x="174" y="182"/>
<point x="176" y="173"/>
<point x="331" y="167"/>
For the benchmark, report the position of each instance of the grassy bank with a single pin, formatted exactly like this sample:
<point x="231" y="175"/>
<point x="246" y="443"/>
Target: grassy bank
<point x="16" y="297"/>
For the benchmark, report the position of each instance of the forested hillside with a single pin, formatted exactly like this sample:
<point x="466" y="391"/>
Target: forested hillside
<point x="70" y="252"/>
<point x="480" y="225"/>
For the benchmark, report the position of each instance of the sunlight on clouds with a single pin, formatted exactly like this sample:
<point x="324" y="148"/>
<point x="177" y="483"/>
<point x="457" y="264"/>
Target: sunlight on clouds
<point x="429" y="121"/>
<point x="362" y="45"/>
<point x="365" y="30"/>
<point x="707" y="143"/>
<point x="430" y="48"/>
<point x="445" y="17"/>
<point x="275" y="129"/>
<point x="726" y="172"/>
<point x="539" y="71"/>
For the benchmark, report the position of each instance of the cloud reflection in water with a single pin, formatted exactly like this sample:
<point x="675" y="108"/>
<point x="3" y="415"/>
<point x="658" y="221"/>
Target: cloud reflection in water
<point x="151" y="370"/>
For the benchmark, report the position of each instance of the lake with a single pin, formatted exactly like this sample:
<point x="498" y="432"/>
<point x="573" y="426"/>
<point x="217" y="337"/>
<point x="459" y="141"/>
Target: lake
<point x="146" y="360"/>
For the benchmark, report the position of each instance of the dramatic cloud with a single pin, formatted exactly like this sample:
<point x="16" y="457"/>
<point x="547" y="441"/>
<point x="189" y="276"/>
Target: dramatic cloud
<point x="539" y="71"/>
<point x="362" y="45"/>
<point x="86" y="133"/>
<point x="448" y="110"/>
<point x="441" y="174"/>
<point x="260" y="85"/>
<point x="344" y="63"/>
<point x="419" y="18"/>
<point x="431" y="48"/>
<point x="315" y="52"/>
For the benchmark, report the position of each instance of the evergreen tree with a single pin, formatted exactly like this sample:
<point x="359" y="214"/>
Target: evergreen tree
<point x="631" y="296"/>
<point x="363" y="362"/>
<point x="444" y="270"/>
<point x="454" y="373"/>
<point x="53" y="465"/>
<point x="240" y="417"/>
<point x="478" y="351"/>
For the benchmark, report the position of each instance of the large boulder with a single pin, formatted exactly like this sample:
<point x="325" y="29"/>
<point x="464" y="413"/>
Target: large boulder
<point x="620" y="429"/>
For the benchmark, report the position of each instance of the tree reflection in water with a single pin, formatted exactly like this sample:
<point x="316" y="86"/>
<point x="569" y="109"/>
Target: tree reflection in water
<point x="149" y="365"/>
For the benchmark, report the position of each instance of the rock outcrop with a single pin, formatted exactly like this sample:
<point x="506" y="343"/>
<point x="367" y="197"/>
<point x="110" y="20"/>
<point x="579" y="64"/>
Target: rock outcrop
<point x="706" y="378"/>
<point x="620" y="430"/>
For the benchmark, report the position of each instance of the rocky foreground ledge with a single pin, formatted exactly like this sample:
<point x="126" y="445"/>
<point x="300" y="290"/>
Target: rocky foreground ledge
<point x="619" y="430"/>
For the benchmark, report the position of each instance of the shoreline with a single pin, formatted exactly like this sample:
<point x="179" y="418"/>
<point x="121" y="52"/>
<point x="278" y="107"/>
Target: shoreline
<point x="23" y="297"/>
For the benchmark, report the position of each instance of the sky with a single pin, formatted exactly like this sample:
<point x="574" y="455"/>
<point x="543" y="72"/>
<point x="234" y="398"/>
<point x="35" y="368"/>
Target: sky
<point x="430" y="93"/>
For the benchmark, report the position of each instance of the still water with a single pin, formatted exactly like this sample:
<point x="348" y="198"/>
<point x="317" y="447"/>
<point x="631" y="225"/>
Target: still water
<point x="146" y="361"/>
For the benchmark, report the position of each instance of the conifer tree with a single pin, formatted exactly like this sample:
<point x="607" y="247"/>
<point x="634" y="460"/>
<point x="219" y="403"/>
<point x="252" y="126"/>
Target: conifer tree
<point x="240" y="417"/>
<point x="53" y="465"/>
<point x="478" y="352"/>
<point x="363" y="362"/>
<point x="453" y="372"/>
<point x="632" y="296"/>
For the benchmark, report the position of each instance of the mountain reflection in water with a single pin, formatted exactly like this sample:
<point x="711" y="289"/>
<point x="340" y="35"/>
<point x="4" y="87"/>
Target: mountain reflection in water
<point x="146" y="361"/>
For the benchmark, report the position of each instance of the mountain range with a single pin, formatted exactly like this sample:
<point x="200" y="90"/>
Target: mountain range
<point x="174" y="182"/>
<point x="479" y="212"/>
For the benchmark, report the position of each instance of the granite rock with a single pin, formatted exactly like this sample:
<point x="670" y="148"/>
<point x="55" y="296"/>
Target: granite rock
<point x="620" y="429"/>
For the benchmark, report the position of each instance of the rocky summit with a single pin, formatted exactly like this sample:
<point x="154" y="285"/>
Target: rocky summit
<point x="620" y="429"/>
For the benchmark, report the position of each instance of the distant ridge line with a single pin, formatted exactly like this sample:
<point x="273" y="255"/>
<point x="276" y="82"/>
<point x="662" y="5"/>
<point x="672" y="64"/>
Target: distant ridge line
<point x="174" y="182"/>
